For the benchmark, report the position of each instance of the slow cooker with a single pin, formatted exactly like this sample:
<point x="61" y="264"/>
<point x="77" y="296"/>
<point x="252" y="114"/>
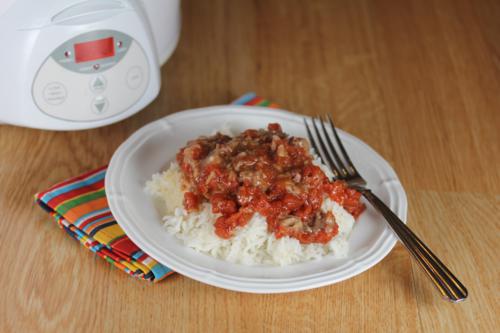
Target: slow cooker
<point x="73" y="64"/>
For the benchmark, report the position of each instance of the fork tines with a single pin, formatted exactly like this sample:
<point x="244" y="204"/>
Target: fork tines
<point x="331" y="151"/>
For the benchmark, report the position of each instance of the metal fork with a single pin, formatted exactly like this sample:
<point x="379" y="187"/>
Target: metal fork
<point x="343" y="169"/>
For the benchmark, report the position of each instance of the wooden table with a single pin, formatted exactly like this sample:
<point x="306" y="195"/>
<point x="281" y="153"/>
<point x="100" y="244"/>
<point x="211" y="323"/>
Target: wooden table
<point x="419" y="81"/>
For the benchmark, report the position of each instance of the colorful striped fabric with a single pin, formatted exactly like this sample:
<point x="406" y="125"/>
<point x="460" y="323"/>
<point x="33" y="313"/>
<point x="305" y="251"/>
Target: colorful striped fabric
<point x="253" y="100"/>
<point x="79" y="206"/>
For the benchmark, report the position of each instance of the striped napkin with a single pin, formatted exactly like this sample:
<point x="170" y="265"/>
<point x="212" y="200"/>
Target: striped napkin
<point x="80" y="208"/>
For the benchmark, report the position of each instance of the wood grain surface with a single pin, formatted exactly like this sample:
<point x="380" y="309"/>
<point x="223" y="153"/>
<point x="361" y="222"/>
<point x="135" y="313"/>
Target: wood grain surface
<point x="418" y="80"/>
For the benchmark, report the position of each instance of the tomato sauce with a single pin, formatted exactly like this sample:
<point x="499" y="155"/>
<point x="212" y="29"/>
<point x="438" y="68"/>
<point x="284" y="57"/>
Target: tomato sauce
<point x="268" y="172"/>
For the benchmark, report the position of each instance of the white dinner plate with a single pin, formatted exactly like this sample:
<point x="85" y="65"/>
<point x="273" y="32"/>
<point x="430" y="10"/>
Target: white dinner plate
<point x="154" y="146"/>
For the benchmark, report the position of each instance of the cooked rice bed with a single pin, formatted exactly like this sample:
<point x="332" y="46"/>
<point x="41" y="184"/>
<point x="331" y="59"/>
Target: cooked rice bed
<point x="251" y="244"/>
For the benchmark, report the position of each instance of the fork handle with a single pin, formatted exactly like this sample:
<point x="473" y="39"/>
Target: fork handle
<point x="448" y="285"/>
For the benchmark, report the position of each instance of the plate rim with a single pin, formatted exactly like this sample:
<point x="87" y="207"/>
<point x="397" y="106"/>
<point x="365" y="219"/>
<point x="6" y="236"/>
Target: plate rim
<point x="252" y="285"/>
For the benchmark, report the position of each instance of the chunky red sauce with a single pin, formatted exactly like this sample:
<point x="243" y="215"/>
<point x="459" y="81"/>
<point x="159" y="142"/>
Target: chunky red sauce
<point x="268" y="172"/>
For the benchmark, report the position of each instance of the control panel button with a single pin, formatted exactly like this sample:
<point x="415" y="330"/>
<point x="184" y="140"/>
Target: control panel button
<point x="54" y="93"/>
<point x="98" y="84"/>
<point x="134" y="77"/>
<point x="99" y="105"/>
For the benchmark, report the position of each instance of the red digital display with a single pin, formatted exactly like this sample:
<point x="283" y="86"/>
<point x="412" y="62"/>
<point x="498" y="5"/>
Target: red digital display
<point x="93" y="50"/>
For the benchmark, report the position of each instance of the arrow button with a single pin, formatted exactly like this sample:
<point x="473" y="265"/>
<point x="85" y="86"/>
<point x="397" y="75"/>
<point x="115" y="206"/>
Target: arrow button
<point x="99" y="105"/>
<point x="98" y="84"/>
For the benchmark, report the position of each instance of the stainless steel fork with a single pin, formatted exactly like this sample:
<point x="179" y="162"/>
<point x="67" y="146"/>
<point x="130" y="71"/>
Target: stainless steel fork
<point x="342" y="167"/>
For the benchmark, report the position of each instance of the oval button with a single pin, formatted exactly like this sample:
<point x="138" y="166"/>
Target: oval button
<point x="54" y="93"/>
<point x="134" y="77"/>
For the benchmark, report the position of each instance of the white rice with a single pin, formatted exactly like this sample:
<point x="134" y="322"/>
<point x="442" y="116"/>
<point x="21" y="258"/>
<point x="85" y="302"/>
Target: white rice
<point x="251" y="244"/>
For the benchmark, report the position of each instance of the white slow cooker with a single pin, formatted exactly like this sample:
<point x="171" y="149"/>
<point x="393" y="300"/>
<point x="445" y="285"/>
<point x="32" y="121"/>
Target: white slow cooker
<point x="76" y="64"/>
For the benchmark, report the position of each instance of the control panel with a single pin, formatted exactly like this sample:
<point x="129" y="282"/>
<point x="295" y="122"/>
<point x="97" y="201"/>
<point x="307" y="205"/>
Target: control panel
<point x="92" y="76"/>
